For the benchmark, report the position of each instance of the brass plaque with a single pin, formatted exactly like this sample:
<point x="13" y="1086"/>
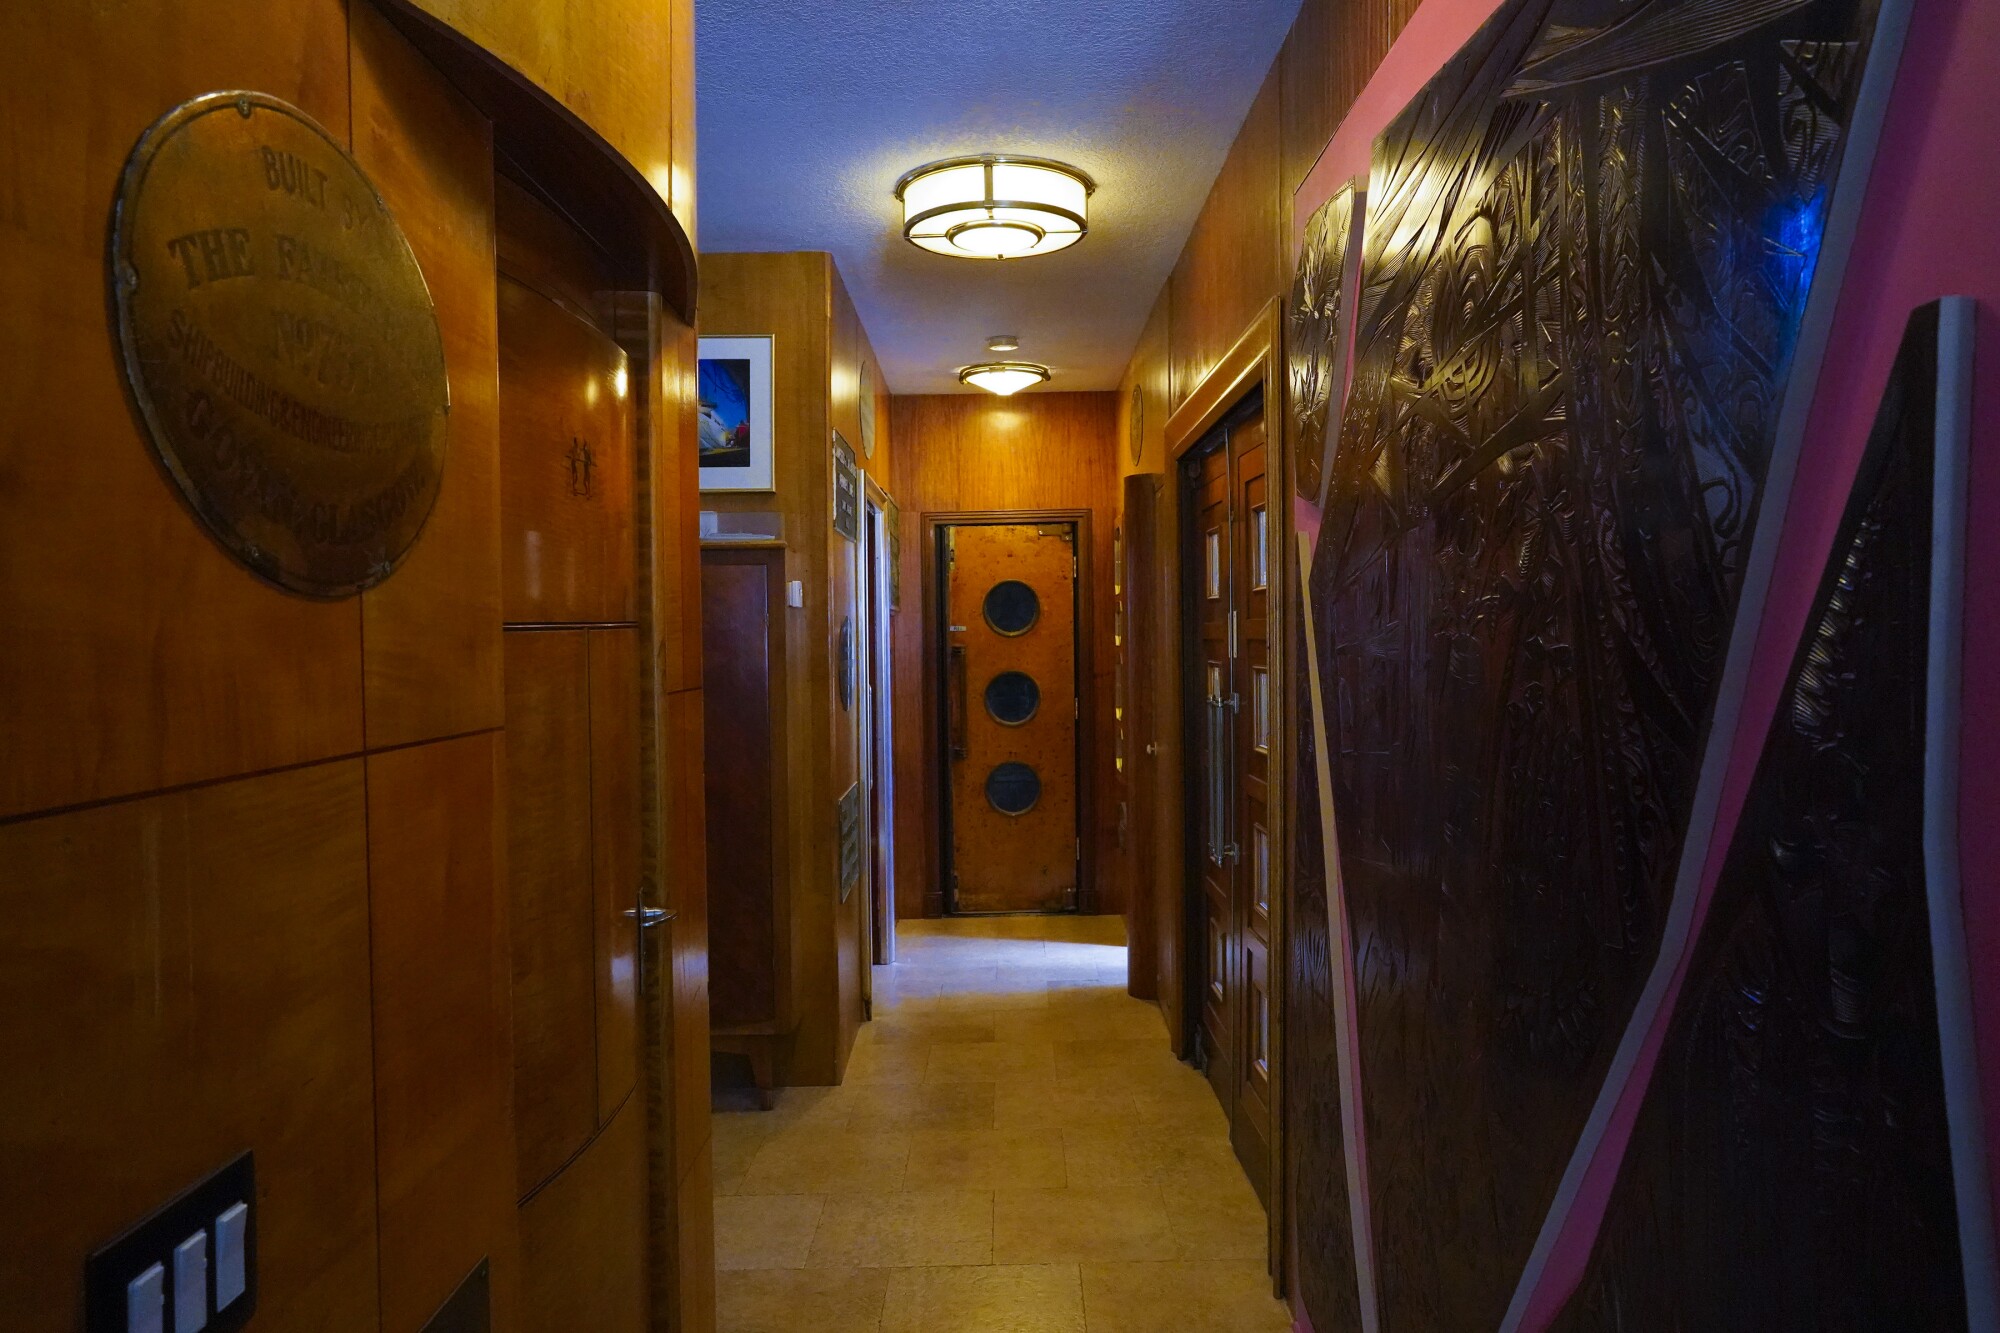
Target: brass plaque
<point x="280" y="342"/>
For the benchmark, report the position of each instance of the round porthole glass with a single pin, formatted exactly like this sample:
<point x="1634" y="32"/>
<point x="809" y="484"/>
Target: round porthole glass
<point x="1012" y="608"/>
<point x="1013" y="788"/>
<point x="1012" y="698"/>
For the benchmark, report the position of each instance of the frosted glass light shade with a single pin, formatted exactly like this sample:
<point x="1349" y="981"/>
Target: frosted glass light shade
<point x="1004" y="377"/>
<point x="995" y="206"/>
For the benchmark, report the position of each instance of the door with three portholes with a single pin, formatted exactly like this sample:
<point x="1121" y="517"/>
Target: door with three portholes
<point x="1010" y="665"/>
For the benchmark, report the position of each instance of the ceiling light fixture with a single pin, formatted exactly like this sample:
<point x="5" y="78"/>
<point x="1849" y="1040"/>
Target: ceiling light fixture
<point x="1003" y="342"/>
<point x="1004" y="377"/>
<point x="995" y="206"/>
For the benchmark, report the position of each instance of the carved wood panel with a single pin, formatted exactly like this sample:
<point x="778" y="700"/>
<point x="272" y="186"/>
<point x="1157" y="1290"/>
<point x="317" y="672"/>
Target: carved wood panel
<point x="1587" y="252"/>
<point x="1791" y="1165"/>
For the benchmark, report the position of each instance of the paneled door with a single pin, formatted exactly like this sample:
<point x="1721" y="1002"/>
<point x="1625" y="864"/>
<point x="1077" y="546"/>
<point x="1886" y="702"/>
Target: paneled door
<point x="574" y="691"/>
<point x="1011" y="716"/>
<point x="1226" y="578"/>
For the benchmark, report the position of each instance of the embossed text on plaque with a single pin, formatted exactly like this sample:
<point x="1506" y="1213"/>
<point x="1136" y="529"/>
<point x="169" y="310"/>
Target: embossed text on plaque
<point x="279" y="341"/>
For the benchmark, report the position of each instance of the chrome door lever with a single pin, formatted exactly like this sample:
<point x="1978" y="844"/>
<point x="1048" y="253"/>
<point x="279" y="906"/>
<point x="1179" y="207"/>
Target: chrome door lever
<point x="648" y="917"/>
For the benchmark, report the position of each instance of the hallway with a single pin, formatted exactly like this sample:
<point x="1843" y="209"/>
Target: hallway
<point x="1014" y="1150"/>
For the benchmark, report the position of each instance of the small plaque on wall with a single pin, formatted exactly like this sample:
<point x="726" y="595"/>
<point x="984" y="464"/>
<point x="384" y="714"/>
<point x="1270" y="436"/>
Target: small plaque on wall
<point x="846" y="490"/>
<point x="892" y="522"/>
<point x="850" y="841"/>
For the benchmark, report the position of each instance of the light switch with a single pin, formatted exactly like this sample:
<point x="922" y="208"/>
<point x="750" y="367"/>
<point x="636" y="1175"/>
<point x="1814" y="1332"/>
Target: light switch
<point x="232" y="1225"/>
<point x="146" y="1302"/>
<point x="191" y="1284"/>
<point x="795" y="593"/>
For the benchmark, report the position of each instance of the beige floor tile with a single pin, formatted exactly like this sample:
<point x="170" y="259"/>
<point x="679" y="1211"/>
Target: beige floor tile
<point x="792" y="1300"/>
<point x="1182" y="1298"/>
<point x="984" y="1159"/>
<point x="766" y="1231"/>
<point x="1040" y="1299"/>
<point x="1071" y="1225"/>
<point x="1217" y="1219"/>
<point x="1053" y="1107"/>
<point x="1117" y="1055"/>
<point x="991" y="1061"/>
<point x="806" y="1161"/>
<point x="916" y="1227"/>
<point x="879" y="1107"/>
<point x="923" y="1030"/>
<point x="1195" y="1110"/>
<point x="1134" y="1157"/>
<point x="887" y="1064"/>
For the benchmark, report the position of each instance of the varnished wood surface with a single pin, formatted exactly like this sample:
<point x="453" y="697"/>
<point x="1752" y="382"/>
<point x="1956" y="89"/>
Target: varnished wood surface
<point x="614" y="848"/>
<point x="1233" y="261"/>
<point x="1026" y="862"/>
<point x="613" y="63"/>
<point x="965" y="452"/>
<point x="688" y="938"/>
<point x="552" y="908"/>
<point x="566" y="466"/>
<point x="674" y="488"/>
<point x="442" y="1037"/>
<point x="1137" y="662"/>
<point x="537" y="248"/>
<point x="583" y="1255"/>
<point x="743" y="615"/>
<point x="1328" y="57"/>
<point x="138" y="653"/>
<point x="432" y="633"/>
<point x="185" y="977"/>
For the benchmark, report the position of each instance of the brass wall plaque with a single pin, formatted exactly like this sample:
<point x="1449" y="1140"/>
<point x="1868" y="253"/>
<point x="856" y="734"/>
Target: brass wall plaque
<point x="280" y="342"/>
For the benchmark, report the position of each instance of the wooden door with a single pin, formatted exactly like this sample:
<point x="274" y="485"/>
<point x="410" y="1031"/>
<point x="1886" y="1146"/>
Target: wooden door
<point x="743" y="618"/>
<point x="1139" y="586"/>
<point x="574" y="683"/>
<point x="1011" y="696"/>
<point x="1226" y="580"/>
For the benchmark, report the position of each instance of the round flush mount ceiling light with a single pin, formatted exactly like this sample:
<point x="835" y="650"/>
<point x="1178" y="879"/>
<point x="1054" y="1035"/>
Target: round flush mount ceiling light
<point x="995" y="206"/>
<point x="1004" y="377"/>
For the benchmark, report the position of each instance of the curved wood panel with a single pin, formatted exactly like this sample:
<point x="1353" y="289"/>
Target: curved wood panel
<point x="548" y="872"/>
<point x="614" y="849"/>
<point x="583" y="1238"/>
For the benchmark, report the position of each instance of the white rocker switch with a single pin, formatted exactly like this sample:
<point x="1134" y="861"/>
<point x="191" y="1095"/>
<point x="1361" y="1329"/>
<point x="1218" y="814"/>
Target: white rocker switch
<point x="191" y="1284"/>
<point x="146" y="1302"/>
<point x="232" y="1225"/>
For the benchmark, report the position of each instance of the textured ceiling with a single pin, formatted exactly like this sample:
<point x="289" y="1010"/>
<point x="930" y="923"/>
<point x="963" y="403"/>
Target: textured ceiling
<point x="809" y="112"/>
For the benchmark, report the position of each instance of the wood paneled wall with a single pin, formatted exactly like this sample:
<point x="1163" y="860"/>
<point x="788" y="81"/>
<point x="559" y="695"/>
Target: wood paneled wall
<point x="251" y="843"/>
<point x="625" y="67"/>
<point x="958" y="452"/>
<point x="1238" y="254"/>
<point x="799" y="299"/>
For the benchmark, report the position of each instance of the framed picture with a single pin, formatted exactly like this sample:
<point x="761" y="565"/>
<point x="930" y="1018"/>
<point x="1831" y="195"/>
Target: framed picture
<point x="736" y="424"/>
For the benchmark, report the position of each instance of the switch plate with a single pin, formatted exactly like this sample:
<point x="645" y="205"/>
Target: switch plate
<point x="191" y="1284"/>
<point x="795" y="593"/>
<point x="110" y="1274"/>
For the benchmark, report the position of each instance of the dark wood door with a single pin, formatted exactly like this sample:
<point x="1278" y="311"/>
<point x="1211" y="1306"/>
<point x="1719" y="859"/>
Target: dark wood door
<point x="1010" y="682"/>
<point x="1226" y="575"/>
<point x="742" y="608"/>
<point x="574" y="693"/>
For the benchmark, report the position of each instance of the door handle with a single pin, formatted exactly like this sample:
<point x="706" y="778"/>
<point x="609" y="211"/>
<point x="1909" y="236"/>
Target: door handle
<point x="648" y="917"/>
<point x="957" y="703"/>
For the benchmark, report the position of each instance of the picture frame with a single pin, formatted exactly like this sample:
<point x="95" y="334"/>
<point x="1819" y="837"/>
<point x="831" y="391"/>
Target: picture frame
<point x="736" y="441"/>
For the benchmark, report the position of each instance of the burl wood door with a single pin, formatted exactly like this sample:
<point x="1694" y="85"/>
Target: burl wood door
<point x="1227" y="563"/>
<point x="574" y="783"/>
<point x="1011" y="703"/>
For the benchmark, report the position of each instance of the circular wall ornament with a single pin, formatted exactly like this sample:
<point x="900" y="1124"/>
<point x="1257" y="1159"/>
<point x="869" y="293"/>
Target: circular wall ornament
<point x="1138" y="423"/>
<point x="1013" y="698"/>
<point x="1013" y="788"/>
<point x="279" y="341"/>
<point x="1011" y="608"/>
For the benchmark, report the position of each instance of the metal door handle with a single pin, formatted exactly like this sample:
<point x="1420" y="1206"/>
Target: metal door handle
<point x="648" y="917"/>
<point x="1152" y="747"/>
<point x="957" y="703"/>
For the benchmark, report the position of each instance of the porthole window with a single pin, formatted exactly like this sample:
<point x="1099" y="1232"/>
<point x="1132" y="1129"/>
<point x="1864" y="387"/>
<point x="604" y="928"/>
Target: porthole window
<point x="1012" y="698"/>
<point x="1012" y="608"/>
<point x="1013" y="788"/>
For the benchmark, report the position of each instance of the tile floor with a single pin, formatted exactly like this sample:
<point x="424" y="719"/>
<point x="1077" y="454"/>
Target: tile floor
<point x="1015" y="1150"/>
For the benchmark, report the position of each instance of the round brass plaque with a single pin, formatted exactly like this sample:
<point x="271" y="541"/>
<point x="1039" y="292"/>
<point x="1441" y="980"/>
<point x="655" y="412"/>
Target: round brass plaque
<point x="280" y="342"/>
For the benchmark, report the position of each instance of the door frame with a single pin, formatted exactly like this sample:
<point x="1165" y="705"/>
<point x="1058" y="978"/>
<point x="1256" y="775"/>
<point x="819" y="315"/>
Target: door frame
<point x="937" y="764"/>
<point x="878" y="722"/>
<point x="1255" y="360"/>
